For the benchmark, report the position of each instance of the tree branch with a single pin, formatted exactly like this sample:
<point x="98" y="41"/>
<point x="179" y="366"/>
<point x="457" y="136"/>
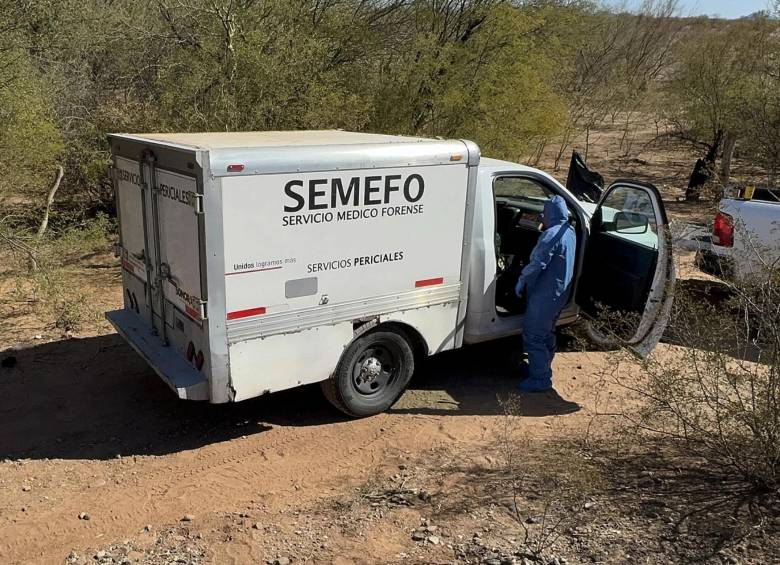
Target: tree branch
<point x="50" y="201"/>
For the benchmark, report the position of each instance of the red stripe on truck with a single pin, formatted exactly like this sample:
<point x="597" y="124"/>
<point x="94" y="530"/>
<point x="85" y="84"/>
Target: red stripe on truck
<point x="429" y="282"/>
<point x="245" y="313"/>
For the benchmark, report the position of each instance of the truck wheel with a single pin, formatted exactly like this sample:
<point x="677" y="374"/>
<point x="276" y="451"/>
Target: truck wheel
<point x="586" y="338"/>
<point x="371" y="375"/>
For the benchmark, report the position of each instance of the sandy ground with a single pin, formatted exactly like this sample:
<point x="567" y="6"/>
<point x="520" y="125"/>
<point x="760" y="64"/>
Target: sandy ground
<point x="88" y="428"/>
<point x="101" y="463"/>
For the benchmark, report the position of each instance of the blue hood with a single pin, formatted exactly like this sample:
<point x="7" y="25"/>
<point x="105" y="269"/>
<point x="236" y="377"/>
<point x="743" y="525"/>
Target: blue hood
<point x="555" y="212"/>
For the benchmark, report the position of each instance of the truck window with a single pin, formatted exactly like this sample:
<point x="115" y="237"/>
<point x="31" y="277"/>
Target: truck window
<point x="631" y="203"/>
<point x="519" y="188"/>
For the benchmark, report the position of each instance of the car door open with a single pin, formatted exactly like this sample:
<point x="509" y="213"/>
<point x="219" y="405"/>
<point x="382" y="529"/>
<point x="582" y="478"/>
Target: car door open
<point x="625" y="289"/>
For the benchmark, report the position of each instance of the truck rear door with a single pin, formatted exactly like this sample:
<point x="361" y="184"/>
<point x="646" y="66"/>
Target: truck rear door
<point x="160" y="213"/>
<point x="627" y="279"/>
<point x="131" y="208"/>
<point x="178" y="210"/>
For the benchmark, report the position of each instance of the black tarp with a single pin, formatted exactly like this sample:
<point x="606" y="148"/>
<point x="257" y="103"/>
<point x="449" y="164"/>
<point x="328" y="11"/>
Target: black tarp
<point x="585" y="184"/>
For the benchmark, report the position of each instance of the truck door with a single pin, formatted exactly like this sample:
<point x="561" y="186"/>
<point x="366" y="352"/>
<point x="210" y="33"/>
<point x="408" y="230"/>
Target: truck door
<point x="160" y="215"/>
<point x="626" y="283"/>
<point x="132" y="214"/>
<point x="179" y="210"/>
<point x="174" y="242"/>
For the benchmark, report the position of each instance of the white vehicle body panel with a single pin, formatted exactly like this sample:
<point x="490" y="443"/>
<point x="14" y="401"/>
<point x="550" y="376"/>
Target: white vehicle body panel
<point x="317" y="277"/>
<point x="179" y="240"/>
<point x="131" y="230"/>
<point x="304" y="266"/>
<point x="286" y="360"/>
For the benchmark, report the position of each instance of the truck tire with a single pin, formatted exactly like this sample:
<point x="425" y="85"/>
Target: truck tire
<point x="372" y="373"/>
<point x="586" y="339"/>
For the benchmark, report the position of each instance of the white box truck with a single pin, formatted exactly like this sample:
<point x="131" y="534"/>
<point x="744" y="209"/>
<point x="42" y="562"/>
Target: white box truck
<point x="259" y="261"/>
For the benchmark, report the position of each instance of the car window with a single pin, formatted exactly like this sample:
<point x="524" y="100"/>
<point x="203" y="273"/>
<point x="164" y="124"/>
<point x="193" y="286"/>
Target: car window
<point x="519" y="188"/>
<point x="628" y="213"/>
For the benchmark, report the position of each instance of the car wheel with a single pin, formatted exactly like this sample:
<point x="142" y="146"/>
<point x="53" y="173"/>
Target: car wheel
<point x="371" y="375"/>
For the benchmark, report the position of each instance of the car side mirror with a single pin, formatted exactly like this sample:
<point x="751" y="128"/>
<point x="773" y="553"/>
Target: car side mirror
<point x="631" y="223"/>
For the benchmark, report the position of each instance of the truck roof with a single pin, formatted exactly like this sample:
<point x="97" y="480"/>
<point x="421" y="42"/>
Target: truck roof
<point x="259" y="139"/>
<point x="490" y="163"/>
<point x="265" y="152"/>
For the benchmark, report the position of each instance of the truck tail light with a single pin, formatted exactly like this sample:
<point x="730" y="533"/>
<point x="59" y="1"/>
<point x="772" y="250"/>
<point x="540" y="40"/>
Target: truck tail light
<point x="190" y="351"/>
<point x="199" y="360"/>
<point x="723" y="230"/>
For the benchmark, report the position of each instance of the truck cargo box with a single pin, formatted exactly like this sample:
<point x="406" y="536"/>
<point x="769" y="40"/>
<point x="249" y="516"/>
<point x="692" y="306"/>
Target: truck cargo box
<point x="252" y="260"/>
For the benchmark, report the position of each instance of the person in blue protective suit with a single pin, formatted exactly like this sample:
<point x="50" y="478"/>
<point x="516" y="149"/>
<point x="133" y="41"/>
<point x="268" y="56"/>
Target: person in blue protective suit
<point x="546" y="282"/>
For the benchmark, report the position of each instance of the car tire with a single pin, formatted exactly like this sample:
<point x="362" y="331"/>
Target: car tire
<point x="371" y="375"/>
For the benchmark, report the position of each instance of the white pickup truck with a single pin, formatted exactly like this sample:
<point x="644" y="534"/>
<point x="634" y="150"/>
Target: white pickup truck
<point x="745" y="237"/>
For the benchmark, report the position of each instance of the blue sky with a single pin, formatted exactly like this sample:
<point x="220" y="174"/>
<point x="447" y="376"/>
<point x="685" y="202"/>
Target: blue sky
<point x="723" y="8"/>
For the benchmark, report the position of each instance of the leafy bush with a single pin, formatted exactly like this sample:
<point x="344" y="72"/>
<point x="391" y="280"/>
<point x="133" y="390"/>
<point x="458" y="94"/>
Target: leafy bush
<point x="44" y="278"/>
<point x="72" y="312"/>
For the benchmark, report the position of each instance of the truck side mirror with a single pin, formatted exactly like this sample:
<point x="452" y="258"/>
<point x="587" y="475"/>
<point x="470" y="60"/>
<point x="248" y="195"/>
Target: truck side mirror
<point x="631" y="223"/>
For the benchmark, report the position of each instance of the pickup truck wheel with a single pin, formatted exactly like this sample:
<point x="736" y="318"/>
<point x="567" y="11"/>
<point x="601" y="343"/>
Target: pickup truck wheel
<point x="371" y="375"/>
<point x="585" y="337"/>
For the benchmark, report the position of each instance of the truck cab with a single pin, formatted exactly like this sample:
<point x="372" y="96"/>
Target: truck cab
<point x="624" y="261"/>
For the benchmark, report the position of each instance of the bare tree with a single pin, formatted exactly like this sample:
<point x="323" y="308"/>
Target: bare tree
<point x="618" y="62"/>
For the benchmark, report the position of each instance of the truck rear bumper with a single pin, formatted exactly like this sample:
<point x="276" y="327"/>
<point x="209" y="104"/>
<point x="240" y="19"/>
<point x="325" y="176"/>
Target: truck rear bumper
<point x="182" y="377"/>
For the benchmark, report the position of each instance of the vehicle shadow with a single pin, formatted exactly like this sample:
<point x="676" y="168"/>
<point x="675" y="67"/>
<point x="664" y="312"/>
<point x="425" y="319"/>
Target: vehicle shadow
<point x="479" y="380"/>
<point x="95" y="398"/>
<point x="703" y="309"/>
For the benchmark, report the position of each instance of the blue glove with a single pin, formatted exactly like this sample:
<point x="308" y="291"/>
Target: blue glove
<point x="520" y="287"/>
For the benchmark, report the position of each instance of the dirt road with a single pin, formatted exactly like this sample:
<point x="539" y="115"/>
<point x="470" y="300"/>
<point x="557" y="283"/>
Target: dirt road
<point x="89" y="430"/>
